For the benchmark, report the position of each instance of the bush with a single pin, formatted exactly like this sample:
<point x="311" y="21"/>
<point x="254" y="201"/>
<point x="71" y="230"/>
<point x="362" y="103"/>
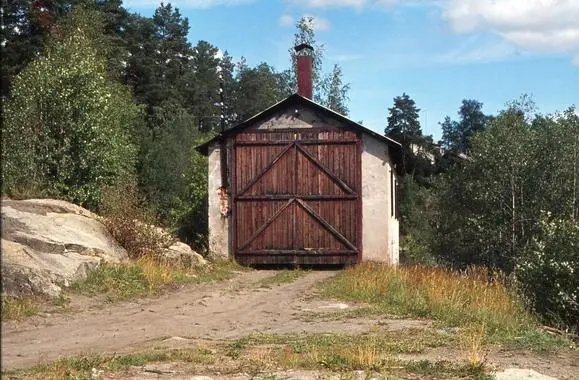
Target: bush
<point x="66" y="124"/>
<point x="548" y="272"/>
<point x="130" y="223"/>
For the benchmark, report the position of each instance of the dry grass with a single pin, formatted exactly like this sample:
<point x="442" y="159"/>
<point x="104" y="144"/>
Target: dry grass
<point x="333" y="351"/>
<point x="259" y="354"/>
<point x="92" y="366"/>
<point x="146" y="276"/>
<point x="18" y="308"/>
<point x="471" y="342"/>
<point x="130" y="223"/>
<point x="371" y="353"/>
<point x="486" y="311"/>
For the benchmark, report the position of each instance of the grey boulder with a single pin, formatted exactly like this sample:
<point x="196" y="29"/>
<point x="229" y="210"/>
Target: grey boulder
<point x="47" y="243"/>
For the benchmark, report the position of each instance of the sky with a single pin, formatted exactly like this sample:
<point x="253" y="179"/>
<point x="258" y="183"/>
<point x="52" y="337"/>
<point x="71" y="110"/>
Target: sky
<point x="437" y="51"/>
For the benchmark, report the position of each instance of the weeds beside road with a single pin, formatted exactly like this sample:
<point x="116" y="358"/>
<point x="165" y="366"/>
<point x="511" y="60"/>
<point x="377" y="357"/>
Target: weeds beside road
<point x="258" y="323"/>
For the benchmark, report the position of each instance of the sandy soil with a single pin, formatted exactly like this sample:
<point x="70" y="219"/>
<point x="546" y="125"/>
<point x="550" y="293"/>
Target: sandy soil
<point x="215" y="312"/>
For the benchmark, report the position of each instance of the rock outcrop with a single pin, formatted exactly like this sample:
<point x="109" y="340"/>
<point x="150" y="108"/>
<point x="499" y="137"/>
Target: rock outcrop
<point x="48" y="243"/>
<point x="181" y="254"/>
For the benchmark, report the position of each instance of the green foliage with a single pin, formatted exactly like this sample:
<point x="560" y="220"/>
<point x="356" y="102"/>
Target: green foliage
<point x="403" y="119"/>
<point x="456" y="135"/>
<point x="490" y="204"/>
<point x="453" y="298"/>
<point x="118" y="282"/>
<point x="166" y="157"/>
<point x="404" y="127"/>
<point x="257" y="89"/>
<point x="25" y="30"/>
<point x="329" y="89"/>
<point x="66" y="129"/>
<point x="92" y="366"/>
<point x="417" y="214"/>
<point x="189" y="215"/>
<point x="547" y="271"/>
<point x="336" y="91"/>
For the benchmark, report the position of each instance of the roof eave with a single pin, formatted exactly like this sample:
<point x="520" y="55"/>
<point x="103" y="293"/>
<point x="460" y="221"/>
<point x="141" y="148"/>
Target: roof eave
<point x="204" y="148"/>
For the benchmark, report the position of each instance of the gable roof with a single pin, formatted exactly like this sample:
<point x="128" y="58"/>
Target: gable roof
<point x="395" y="148"/>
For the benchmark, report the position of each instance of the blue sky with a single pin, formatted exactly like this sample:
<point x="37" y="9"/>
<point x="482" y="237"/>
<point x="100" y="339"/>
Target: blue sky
<point x="437" y="51"/>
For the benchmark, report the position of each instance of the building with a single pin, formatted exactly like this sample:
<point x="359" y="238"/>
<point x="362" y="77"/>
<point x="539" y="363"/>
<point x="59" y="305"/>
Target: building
<point x="300" y="184"/>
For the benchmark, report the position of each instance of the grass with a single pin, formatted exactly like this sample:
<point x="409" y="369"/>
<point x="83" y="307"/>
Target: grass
<point x="146" y="276"/>
<point x="18" y="308"/>
<point x="332" y="352"/>
<point x="284" y="277"/>
<point x="116" y="282"/>
<point x="390" y="342"/>
<point x="82" y="367"/>
<point x="445" y="369"/>
<point x="486" y="312"/>
<point x="261" y="354"/>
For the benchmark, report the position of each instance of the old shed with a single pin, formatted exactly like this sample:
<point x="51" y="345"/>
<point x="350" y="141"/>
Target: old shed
<point x="301" y="184"/>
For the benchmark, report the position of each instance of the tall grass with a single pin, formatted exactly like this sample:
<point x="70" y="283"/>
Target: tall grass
<point x="463" y="299"/>
<point x="18" y="308"/>
<point x="145" y="276"/>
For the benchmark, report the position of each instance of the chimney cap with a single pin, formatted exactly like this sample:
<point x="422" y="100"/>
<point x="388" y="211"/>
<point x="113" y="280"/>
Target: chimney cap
<point x="303" y="46"/>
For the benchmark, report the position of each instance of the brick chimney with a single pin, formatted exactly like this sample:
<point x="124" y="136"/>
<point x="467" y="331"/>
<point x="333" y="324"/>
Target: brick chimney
<point x="304" y="69"/>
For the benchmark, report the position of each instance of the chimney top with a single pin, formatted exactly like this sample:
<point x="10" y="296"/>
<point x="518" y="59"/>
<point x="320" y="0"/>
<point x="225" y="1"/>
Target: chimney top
<point x="304" y="63"/>
<point x="303" y="46"/>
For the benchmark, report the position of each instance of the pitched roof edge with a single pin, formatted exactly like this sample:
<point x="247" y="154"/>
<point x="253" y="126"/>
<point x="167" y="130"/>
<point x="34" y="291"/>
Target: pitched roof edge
<point x="204" y="148"/>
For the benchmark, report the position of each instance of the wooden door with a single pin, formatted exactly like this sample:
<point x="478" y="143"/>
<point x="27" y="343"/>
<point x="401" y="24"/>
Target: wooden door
<point x="297" y="197"/>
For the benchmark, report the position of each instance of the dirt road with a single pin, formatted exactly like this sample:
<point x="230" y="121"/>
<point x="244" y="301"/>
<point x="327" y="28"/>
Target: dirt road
<point x="223" y="310"/>
<point x="214" y="312"/>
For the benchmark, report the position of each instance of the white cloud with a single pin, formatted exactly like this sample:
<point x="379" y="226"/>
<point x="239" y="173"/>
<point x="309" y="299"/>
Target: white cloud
<point x="546" y="26"/>
<point x="576" y="62"/>
<point x="543" y="26"/>
<point x="318" y="23"/>
<point x="358" y="4"/>
<point x="286" y="20"/>
<point x="473" y="52"/>
<point x="183" y="4"/>
<point x="330" y="3"/>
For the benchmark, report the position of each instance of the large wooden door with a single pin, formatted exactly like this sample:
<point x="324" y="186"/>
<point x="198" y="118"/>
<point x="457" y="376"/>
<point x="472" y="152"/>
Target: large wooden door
<point x="297" y="197"/>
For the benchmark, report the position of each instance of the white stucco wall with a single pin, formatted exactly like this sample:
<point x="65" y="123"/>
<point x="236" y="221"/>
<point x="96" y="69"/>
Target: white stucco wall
<point x="218" y="208"/>
<point x="303" y="118"/>
<point x="380" y="230"/>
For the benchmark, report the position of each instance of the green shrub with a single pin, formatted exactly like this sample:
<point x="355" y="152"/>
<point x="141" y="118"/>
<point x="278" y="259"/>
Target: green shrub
<point x="548" y="271"/>
<point x="130" y="223"/>
<point x="66" y="125"/>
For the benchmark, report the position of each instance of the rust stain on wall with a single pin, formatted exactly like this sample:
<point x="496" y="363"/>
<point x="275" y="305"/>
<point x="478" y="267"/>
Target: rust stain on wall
<point x="224" y="208"/>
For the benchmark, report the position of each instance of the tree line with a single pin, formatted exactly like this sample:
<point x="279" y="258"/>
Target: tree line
<point x="95" y="96"/>
<point x="498" y="191"/>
